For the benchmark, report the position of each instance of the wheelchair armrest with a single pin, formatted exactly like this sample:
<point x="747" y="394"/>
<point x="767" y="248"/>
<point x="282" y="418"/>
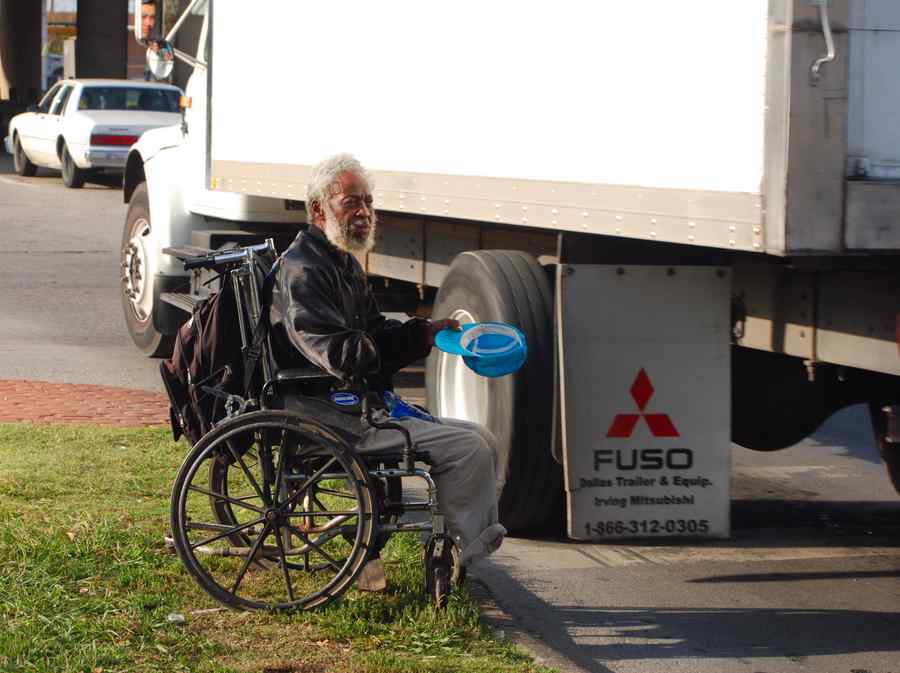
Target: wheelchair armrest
<point x="303" y="374"/>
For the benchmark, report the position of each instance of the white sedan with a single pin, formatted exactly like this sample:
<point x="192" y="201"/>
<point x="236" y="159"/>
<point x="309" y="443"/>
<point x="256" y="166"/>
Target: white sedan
<point x="89" y="124"/>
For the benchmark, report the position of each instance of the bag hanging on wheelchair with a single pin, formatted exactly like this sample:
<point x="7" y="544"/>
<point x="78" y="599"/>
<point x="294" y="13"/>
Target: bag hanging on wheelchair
<point x="207" y="356"/>
<point x="209" y="364"/>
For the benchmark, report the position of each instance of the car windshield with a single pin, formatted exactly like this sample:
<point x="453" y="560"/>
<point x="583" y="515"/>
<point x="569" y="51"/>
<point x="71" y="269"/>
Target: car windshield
<point x="128" y="98"/>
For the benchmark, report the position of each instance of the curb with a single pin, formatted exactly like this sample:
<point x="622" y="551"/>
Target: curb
<point x="506" y="627"/>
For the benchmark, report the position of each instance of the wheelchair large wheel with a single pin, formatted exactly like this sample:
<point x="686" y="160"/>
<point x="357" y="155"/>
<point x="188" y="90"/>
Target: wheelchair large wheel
<point x="272" y="511"/>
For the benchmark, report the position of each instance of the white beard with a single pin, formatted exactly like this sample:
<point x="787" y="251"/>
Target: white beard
<point x="340" y="237"/>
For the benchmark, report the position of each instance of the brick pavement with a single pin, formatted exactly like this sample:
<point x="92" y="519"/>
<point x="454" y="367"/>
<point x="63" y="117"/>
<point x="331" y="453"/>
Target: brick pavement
<point x="43" y="402"/>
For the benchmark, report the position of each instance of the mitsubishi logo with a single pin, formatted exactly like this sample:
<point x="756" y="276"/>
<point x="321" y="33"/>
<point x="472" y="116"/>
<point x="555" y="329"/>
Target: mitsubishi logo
<point x="660" y="424"/>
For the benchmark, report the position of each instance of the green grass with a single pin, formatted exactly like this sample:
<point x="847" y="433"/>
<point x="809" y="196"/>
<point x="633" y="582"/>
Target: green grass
<point x="86" y="583"/>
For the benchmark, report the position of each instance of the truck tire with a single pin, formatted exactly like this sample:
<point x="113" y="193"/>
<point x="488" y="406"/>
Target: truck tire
<point x="890" y="451"/>
<point x="509" y="286"/>
<point x="73" y="177"/>
<point x="138" y="298"/>
<point x="22" y="164"/>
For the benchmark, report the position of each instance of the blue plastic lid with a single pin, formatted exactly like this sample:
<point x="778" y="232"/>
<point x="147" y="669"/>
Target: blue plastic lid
<point x="488" y="348"/>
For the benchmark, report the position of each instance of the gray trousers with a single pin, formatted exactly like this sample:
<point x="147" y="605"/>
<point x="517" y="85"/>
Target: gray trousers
<point x="463" y="461"/>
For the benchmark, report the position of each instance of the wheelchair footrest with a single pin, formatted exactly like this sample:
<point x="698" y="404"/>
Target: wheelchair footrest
<point x="186" y="302"/>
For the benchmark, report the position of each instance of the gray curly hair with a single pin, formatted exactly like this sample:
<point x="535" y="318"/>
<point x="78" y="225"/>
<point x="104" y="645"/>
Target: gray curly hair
<point x="325" y="174"/>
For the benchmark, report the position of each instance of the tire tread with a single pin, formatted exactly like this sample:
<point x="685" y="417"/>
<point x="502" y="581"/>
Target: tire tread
<point x="512" y="287"/>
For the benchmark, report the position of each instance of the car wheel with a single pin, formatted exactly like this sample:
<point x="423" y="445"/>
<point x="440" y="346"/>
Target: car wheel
<point x="73" y="176"/>
<point x="138" y="297"/>
<point x="508" y="286"/>
<point x="23" y="166"/>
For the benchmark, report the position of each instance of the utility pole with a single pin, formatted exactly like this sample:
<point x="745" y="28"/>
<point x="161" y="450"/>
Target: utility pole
<point x="102" y="46"/>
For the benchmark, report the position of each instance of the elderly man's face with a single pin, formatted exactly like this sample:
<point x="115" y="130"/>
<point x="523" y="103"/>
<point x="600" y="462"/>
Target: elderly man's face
<point x="349" y="218"/>
<point x="148" y="19"/>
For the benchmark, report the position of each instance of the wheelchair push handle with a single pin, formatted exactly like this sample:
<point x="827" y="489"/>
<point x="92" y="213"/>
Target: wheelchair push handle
<point x="214" y="260"/>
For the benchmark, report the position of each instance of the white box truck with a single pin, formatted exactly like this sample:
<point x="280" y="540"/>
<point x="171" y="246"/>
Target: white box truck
<point x="692" y="210"/>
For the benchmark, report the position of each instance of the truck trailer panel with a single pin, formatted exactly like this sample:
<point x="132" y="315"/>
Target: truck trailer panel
<point x="606" y="118"/>
<point x="697" y="123"/>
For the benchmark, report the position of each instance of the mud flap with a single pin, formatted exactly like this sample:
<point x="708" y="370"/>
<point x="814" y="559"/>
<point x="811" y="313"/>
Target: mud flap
<point x="644" y="355"/>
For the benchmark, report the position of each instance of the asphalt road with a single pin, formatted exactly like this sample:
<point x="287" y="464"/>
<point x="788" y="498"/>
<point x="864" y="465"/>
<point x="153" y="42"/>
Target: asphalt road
<point x="809" y="581"/>
<point x="59" y="287"/>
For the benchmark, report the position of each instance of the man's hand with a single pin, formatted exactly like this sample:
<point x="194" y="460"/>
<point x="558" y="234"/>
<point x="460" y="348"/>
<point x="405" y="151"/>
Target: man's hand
<point x="436" y="326"/>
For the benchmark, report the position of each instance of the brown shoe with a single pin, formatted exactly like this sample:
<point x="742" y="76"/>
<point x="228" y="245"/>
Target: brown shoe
<point x="372" y="577"/>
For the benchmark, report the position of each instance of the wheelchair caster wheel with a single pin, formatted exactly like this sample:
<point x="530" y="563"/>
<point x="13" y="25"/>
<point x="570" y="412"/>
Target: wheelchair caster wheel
<point x="442" y="569"/>
<point x="441" y="585"/>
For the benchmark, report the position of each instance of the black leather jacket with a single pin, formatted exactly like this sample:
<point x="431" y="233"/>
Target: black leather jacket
<point x="323" y="313"/>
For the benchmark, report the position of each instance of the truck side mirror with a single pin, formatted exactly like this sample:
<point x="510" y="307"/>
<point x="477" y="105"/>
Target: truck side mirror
<point x="148" y="20"/>
<point x="160" y="58"/>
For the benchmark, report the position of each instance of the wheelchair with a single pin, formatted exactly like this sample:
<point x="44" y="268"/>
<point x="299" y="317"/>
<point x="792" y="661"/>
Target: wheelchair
<point x="273" y="508"/>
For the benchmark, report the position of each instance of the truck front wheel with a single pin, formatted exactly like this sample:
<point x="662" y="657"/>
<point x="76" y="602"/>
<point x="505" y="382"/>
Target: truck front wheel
<point x="509" y="286"/>
<point x="138" y="298"/>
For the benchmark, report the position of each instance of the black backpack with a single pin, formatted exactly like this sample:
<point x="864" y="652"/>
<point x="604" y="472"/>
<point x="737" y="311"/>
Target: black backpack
<point x="209" y="364"/>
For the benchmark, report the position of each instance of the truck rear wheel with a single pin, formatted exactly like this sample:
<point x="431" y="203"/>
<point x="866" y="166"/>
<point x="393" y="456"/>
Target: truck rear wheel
<point x="509" y="286"/>
<point x="138" y="298"/>
<point x="774" y="405"/>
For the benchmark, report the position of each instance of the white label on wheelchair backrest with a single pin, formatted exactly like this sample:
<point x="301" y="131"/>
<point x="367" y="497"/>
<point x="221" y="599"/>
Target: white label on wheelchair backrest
<point x="345" y="399"/>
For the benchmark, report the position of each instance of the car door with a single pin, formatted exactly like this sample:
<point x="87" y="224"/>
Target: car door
<point x="51" y="127"/>
<point x="29" y="126"/>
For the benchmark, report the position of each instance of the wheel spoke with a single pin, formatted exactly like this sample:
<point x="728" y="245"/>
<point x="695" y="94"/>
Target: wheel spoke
<point x="267" y="463"/>
<point x="318" y="502"/>
<point x="225" y="498"/>
<point x="290" y="501"/>
<point x="244" y="498"/>
<point x="336" y="493"/>
<point x="230" y="531"/>
<point x="324" y="513"/>
<point x="284" y="567"/>
<point x="237" y="457"/>
<point x="279" y="473"/>
<point x="250" y="558"/>
<point x="251" y="454"/>
<point x="303" y="536"/>
<point x="215" y="527"/>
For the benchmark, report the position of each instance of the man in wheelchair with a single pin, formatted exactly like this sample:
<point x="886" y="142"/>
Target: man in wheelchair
<point x="323" y="314"/>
